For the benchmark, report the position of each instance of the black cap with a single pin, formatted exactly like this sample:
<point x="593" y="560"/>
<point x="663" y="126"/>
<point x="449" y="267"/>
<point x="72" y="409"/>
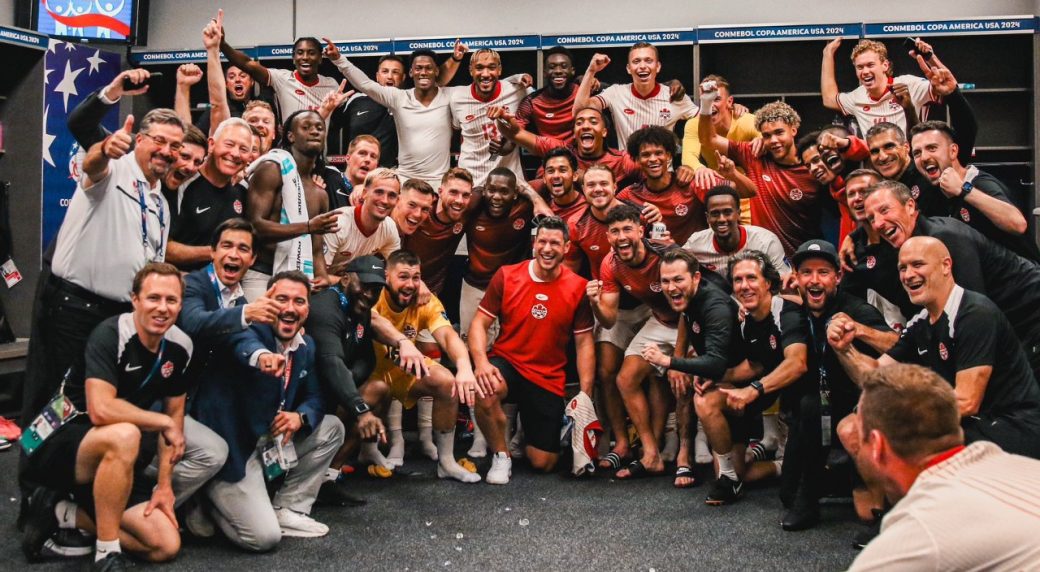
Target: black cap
<point x="370" y="269"/>
<point x="815" y="248"/>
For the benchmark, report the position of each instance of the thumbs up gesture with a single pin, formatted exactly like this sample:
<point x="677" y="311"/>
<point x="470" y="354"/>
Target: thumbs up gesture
<point x="119" y="143"/>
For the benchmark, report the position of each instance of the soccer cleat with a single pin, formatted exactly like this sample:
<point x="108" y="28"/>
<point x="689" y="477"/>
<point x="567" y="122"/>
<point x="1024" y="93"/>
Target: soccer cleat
<point x="299" y="525"/>
<point x="724" y="491"/>
<point x="500" y="471"/>
<point x="40" y="523"/>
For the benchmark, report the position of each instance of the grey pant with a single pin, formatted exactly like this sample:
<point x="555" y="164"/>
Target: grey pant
<point x="204" y="456"/>
<point x="242" y="510"/>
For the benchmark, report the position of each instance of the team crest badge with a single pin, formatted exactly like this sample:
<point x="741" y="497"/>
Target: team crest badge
<point x="767" y="178"/>
<point x="915" y="191"/>
<point x="796" y="194"/>
<point x="772" y="341"/>
<point x="666" y="113"/>
<point x="965" y="215"/>
<point x="237" y="205"/>
<point x="696" y="327"/>
<point x="167" y="369"/>
<point x="655" y="286"/>
<point x="871" y="262"/>
<point x="409" y="331"/>
<point x="518" y="224"/>
<point x="682" y="210"/>
<point x="457" y="229"/>
<point x="539" y="311"/>
<point x="943" y="352"/>
<point x="360" y="332"/>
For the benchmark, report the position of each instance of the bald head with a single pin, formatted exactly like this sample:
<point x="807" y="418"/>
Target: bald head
<point x="926" y="271"/>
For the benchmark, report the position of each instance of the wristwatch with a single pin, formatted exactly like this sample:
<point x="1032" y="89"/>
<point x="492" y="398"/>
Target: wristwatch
<point x="966" y="188"/>
<point x="361" y="408"/>
<point x="757" y="385"/>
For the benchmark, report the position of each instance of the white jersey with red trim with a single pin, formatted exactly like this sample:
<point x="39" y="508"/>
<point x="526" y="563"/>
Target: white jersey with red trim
<point x="631" y="111"/>
<point x="706" y="249"/>
<point x="292" y="94"/>
<point x="469" y="114"/>
<point x="869" y="111"/>
<point x="353" y="240"/>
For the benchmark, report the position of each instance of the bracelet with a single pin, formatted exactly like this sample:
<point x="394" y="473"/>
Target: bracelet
<point x="456" y="59"/>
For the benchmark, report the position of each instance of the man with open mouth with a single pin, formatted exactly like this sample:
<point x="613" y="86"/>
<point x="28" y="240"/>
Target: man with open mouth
<point x="830" y="393"/>
<point x="830" y="154"/>
<point x="368" y="228"/>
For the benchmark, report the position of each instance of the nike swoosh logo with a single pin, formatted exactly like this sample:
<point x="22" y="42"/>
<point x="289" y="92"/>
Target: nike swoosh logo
<point x="339" y="192"/>
<point x="199" y="210"/>
<point x="921" y="352"/>
<point x="753" y="341"/>
<point x="361" y="112"/>
<point x="135" y="368"/>
<point x="738" y="488"/>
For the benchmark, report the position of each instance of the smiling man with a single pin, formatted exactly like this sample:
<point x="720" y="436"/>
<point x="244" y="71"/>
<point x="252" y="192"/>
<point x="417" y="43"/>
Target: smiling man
<point x="548" y="112"/>
<point x="186" y="165"/>
<point x="439" y="235"/>
<point x="369" y="228"/>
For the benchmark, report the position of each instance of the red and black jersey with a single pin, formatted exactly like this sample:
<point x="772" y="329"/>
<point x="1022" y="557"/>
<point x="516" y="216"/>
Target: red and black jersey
<point x="495" y="242"/>
<point x="619" y="162"/>
<point x="682" y="207"/>
<point x="642" y="282"/>
<point x="547" y="116"/>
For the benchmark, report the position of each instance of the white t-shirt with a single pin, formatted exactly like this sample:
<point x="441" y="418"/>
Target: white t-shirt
<point x="423" y="131"/>
<point x="350" y="241"/>
<point x="702" y="245"/>
<point x="869" y="112"/>
<point x="469" y="113"/>
<point x="100" y="245"/>
<point x="631" y="111"/>
<point x="292" y="95"/>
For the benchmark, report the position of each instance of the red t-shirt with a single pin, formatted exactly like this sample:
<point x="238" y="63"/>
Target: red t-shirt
<point x="682" y="208"/>
<point x="495" y="242"/>
<point x="788" y="200"/>
<point x="536" y="318"/>
<point x="857" y="151"/>
<point x="549" y="117"/>
<point x="642" y="282"/>
<point x="619" y="162"/>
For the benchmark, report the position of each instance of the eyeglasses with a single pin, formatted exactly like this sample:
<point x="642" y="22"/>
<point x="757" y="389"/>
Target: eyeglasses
<point x="163" y="142"/>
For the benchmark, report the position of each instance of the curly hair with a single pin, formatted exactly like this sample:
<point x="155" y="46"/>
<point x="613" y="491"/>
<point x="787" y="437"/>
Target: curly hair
<point x="777" y="111"/>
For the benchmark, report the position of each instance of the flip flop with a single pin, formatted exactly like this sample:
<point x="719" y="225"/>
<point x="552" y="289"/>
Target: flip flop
<point x="612" y="461"/>
<point x="467" y="464"/>
<point x="684" y="472"/>
<point x="636" y="470"/>
<point x="379" y="472"/>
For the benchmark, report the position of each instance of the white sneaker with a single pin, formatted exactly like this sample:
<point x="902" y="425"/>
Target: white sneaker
<point x="500" y="471"/>
<point x="299" y="525"/>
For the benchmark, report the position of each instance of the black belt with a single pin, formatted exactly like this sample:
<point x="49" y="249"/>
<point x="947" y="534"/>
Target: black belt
<point x="106" y="304"/>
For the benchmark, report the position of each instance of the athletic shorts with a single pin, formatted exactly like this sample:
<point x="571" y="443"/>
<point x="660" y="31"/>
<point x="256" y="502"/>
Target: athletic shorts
<point x="540" y="410"/>
<point x="400" y="382"/>
<point x="653" y="332"/>
<point x="625" y="328"/>
<point x="748" y="425"/>
<point x="1017" y="432"/>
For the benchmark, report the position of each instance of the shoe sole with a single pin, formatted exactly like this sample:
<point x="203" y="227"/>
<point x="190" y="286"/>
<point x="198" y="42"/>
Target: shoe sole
<point x="497" y="482"/>
<point x="33" y="538"/>
<point x="52" y="549"/>
<point x="302" y="534"/>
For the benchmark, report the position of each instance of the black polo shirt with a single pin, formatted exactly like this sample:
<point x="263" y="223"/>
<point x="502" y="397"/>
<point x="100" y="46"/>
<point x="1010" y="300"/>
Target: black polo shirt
<point x="202" y="208"/>
<point x="972" y="332"/>
<point x="1021" y="244"/>
<point x="713" y="330"/>
<point x="875" y="266"/>
<point x="366" y="117"/>
<point x="765" y="340"/>
<point x="930" y="200"/>
<point x="345" y="354"/>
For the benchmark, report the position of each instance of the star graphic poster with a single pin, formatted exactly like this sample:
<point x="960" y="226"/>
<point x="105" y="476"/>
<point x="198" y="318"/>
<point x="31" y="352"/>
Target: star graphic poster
<point x="71" y="73"/>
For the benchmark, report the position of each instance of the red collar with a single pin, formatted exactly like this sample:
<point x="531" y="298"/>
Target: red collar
<point x="296" y="74"/>
<point x="653" y="92"/>
<point x="361" y="225"/>
<point x="743" y="241"/>
<point x="943" y="456"/>
<point x="478" y="97"/>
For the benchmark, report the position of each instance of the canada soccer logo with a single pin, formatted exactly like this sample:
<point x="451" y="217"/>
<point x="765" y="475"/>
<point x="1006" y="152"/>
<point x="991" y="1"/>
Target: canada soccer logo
<point x="772" y="341"/>
<point x="457" y="229"/>
<point x="539" y="311"/>
<point x="943" y="352"/>
<point x="696" y="327"/>
<point x="630" y="111"/>
<point x="871" y="262"/>
<point x="167" y="369"/>
<point x="409" y="331"/>
<point x="666" y="113"/>
<point x="682" y="210"/>
<point x="237" y="205"/>
<point x="965" y="215"/>
<point x="518" y="224"/>
<point x="796" y="194"/>
<point x="655" y="286"/>
<point x="360" y="332"/>
<point x="915" y="191"/>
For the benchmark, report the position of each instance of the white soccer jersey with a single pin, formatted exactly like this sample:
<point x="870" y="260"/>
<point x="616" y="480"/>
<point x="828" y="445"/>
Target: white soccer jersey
<point x="350" y="241"/>
<point x="291" y="94"/>
<point x="703" y="246"/>
<point x="869" y="111"/>
<point x="469" y="114"/>
<point x="423" y="131"/>
<point x="631" y="111"/>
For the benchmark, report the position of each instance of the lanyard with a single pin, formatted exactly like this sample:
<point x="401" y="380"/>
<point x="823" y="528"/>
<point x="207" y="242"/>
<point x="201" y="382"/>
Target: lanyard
<point x="155" y="366"/>
<point x="344" y="301"/>
<point x="821" y="349"/>
<point x="160" y="253"/>
<point x="212" y="272"/>
<point x="286" y="378"/>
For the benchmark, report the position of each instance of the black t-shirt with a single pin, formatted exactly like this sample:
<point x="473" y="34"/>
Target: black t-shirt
<point x="115" y="354"/>
<point x="972" y="332"/>
<point x="345" y="354"/>
<point x="875" y="263"/>
<point x="713" y="330"/>
<point x="337" y="187"/>
<point x="766" y="340"/>
<point x="930" y="200"/>
<point x="1021" y="244"/>
<point x="201" y="211"/>
<point x="366" y="117"/>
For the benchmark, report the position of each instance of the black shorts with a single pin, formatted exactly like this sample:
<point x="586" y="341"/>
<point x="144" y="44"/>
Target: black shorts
<point x="1017" y="432"/>
<point x="748" y="425"/>
<point x="540" y="410"/>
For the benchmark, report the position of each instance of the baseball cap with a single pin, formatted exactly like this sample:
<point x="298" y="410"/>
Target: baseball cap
<point x="370" y="269"/>
<point x="815" y="248"/>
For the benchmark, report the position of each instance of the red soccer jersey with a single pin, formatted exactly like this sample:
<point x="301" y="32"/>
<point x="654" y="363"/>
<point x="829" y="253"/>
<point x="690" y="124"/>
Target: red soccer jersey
<point x="619" y="162"/>
<point x="536" y="319"/>
<point x="857" y="151"/>
<point x="573" y="258"/>
<point x="682" y="208"/>
<point x="495" y="242"/>
<point x="589" y="237"/>
<point x="788" y="200"/>
<point x="642" y="282"/>
<point x="549" y="117"/>
<point x="435" y="243"/>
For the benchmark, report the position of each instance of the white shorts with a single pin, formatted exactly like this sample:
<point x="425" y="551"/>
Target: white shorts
<point x="628" y="323"/>
<point x="254" y="284"/>
<point x="469" y="299"/>
<point x="653" y="332"/>
<point x="426" y="337"/>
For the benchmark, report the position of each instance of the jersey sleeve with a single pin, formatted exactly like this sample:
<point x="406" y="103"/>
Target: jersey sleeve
<point x="525" y="111"/>
<point x="543" y="145"/>
<point x="740" y="152"/>
<point x="384" y="95"/>
<point x="278" y="78"/>
<point x="687" y="108"/>
<point x="905" y="350"/>
<point x="607" y="96"/>
<point x="977" y="337"/>
<point x="606" y="274"/>
<point x="392" y="242"/>
<point x="792" y="326"/>
<point x="583" y="320"/>
<point x="102" y="354"/>
<point x="491" y="303"/>
<point x="845" y="102"/>
<point x="920" y="89"/>
<point x="691" y="146"/>
<point x="433" y="315"/>
<point x="869" y="316"/>
<point x="775" y="251"/>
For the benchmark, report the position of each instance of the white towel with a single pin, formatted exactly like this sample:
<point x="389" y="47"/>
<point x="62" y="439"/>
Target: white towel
<point x="295" y="253"/>
<point x="585" y="435"/>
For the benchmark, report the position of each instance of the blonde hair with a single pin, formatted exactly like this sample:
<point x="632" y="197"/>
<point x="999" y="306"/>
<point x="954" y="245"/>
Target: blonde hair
<point x="379" y="174"/>
<point x="871" y="46"/>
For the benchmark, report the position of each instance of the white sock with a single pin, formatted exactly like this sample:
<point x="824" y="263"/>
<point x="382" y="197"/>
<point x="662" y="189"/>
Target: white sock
<point x="370" y="455"/>
<point x="66" y="512"/>
<point x="393" y="421"/>
<point x="771" y="431"/>
<point x="105" y="547"/>
<point x="425" y="425"/>
<point x="479" y="448"/>
<point x="671" y="439"/>
<point x="447" y="466"/>
<point x="726" y="465"/>
<point x="331" y="474"/>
